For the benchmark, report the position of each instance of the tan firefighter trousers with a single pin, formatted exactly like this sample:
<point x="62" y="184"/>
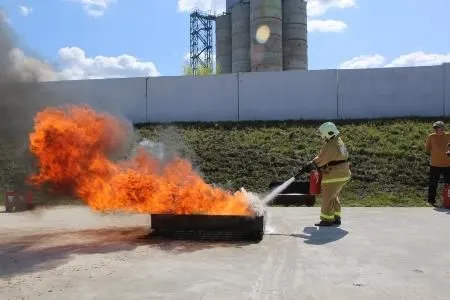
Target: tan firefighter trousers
<point x="331" y="206"/>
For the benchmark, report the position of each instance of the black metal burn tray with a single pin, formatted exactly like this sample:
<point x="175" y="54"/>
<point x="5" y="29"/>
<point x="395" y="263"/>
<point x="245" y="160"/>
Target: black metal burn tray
<point x="208" y="227"/>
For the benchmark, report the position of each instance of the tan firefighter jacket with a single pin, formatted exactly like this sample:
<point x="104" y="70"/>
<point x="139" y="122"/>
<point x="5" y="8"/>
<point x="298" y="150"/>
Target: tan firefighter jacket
<point x="332" y="161"/>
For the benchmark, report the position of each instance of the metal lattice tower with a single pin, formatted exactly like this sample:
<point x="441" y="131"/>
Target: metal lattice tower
<point x="201" y="40"/>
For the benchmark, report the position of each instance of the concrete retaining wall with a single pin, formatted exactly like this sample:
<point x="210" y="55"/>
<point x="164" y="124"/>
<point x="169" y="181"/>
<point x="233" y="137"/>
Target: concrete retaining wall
<point x="287" y="95"/>
<point x="446" y="82"/>
<point x="375" y="93"/>
<point x="187" y="98"/>
<point x="122" y="97"/>
<point x="318" y="94"/>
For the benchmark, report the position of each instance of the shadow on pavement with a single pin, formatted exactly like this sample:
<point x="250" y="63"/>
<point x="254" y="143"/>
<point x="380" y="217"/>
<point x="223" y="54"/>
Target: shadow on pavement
<point x="318" y="235"/>
<point x="41" y="252"/>
<point x="322" y="235"/>
<point x="441" y="209"/>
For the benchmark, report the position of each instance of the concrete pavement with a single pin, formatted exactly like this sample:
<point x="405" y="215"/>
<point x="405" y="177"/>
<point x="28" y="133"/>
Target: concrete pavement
<point x="73" y="253"/>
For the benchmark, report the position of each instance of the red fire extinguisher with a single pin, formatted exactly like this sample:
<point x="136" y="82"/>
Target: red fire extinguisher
<point x="315" y="179"/>
<point x="446" y="196"/>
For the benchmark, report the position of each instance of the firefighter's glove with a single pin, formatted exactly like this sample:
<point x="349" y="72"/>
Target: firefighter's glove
<point x="310" y="166"/>
<point x="306" y="169"/>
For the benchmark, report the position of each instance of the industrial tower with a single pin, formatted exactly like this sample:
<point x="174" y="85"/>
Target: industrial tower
<point x="252" y="36"/>
<point x="262" y="35"/>
<point x="201" y="40"/>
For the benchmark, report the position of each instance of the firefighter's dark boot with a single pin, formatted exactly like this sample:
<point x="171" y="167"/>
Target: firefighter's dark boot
<point x="337" y="221"/>
<point x="324" y="223"/>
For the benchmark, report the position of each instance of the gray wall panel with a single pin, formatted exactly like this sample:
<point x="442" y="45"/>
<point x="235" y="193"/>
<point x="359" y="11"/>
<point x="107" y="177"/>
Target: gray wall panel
<point x="288" y="95"/>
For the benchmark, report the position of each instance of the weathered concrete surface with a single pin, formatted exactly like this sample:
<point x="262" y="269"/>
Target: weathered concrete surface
<point x="71" y="253"/>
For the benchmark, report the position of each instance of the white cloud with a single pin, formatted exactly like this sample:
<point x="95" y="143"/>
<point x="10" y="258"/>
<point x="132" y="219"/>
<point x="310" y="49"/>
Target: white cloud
<point x="418" y="58"/>
<point x="25" y="10"/>
<point x="74" y="64"/>
<point x="317" y="8"/>
<point x="217" y="6"/>
<point x="95" y="8"/>
<point x="363" y="62"/>
<point x="326" y="26"/>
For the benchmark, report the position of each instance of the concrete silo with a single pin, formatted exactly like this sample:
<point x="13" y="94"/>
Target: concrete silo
<point x="266" y="50"/>
<point x="265" y="35"/>
<point x="231" y="3"/>
<point x="240" y="37"/>
<point x="295" y="35"/>
<point x="223" y="43"/>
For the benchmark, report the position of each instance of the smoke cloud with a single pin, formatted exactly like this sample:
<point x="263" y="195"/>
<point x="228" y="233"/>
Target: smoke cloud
<point x="25" y="90"/>
<point x="19" y="78"/>
<point x="21" y="96"/>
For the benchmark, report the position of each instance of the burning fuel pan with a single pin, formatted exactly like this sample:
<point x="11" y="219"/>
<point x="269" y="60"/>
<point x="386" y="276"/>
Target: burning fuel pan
<point x="208" y="227"/>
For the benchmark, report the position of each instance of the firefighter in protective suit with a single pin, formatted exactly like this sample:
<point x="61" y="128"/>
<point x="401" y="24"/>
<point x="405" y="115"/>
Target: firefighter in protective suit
<point x="332" y="162"/>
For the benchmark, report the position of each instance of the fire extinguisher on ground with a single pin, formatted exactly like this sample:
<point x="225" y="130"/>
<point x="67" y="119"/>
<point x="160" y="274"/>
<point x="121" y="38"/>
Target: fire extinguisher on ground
<point x="446" y="196"/>
<point x="315" y="179"/>
<point x="446" y="191"/>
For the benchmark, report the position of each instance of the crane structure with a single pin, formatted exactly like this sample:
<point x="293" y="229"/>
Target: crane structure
<point x="201" y="40"/>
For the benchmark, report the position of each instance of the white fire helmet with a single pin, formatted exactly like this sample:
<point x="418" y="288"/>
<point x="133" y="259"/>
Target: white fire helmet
<point x="328" y="130"/>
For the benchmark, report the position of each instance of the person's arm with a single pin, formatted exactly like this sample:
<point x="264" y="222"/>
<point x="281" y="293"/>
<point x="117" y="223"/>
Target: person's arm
<point x="323" y="157"/>
<point x="428" y="145"/>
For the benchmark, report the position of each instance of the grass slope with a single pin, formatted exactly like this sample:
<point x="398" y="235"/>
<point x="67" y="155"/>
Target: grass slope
<point x="389" y="164"/>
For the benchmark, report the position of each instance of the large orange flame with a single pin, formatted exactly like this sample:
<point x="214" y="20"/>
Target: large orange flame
<point x="73" y="145"/>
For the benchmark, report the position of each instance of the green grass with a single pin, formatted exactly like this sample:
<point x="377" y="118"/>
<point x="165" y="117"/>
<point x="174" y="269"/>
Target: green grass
<point x="389" y="165"/>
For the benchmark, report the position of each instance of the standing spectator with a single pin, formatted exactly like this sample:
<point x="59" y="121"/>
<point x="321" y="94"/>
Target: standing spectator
<point x="437" y="146"/>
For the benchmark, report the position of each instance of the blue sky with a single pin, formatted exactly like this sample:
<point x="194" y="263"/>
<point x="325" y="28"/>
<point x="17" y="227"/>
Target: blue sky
<point x="343" y="33"/>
